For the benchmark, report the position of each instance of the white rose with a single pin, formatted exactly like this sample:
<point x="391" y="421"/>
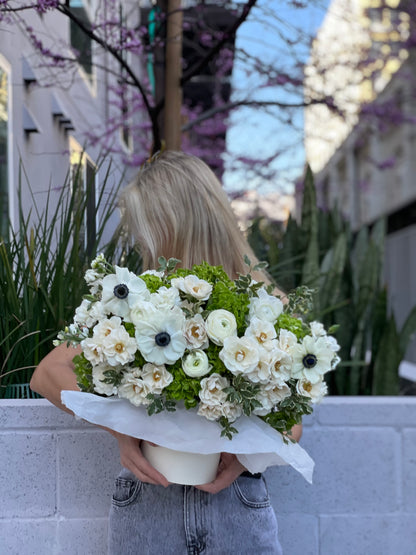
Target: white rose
<point x="98" y="378"/>
<point x="240" y="355"/>
<point x="221" y="324"/>
<point x="280" y="366"/>
<point x="192" y="285"/>
<point x="196" y="364"/>
<point x="134" y="388"/>
<point x="165" y="297"/>
<point x="92" y="351"/>
<point x="263" y="331"/>
<point x="156" y="378"/>
<point x="211" y="392"/>
<point x="287" y="340"/>
<point x="210" y="412"/>
<point x="195" y="332"/>
<point x="265" y="306"/>
<point x="231" y="411"/>
<point x="269" y="396"/>
<point x="118" y="347"/>
<point x="316" y="391"/>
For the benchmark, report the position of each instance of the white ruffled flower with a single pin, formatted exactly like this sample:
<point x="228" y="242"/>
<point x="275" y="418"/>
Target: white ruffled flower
<point x="88" y="314"/>
<point x="118" y="347"/>
<point x="261" y="373"/>
<point x="270" y="396"/>
<point x="287" y="340"/>
<point x="231" y="411"/>
<point x="98" y="378"/>
<point x="240" y="355"/>
<point x="105" y="327"/>
<point x="263" y="331"/>
<point x="280" y="366"/>
<point x="98" y="261"/>
<point x="156" y="378"/>
<point x="311" y="359"/>
<point x="192" y="285"/>
<point x="212" y="389"/>
<point x="196" y="364"/>
<point x="121" y="291"/>
<point x="221" y="324"/>
<point x="92" y="351"/>
<point x="94" y="280"/>
<point x="134" y="388"/>
<point x="159" y="336"/>
<point x="153" y="273"/>
<point x="317" y="330"/>
<point x="265" y="307"/>
<point x="315" y="391"/>
<point x="195" y="332"/>
<point x="165" y="297"/>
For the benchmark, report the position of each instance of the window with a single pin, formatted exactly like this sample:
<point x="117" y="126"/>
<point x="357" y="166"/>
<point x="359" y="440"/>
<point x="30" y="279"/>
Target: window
<point x="83" y="187"/>
<point x="4" y="152"/>
<point x="79" y="40"/>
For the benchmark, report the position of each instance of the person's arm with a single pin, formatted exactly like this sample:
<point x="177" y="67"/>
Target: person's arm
<point x="54" y="374"/>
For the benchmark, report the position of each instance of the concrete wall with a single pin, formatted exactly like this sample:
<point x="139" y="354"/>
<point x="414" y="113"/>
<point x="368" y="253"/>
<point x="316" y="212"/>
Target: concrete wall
<point x="57" y="473"/>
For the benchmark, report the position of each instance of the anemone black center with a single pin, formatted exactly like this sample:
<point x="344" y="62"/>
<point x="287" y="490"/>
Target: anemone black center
<point x="309" y="360"/>
<point x="162" y="339"/>
<point x="121" y="291"/>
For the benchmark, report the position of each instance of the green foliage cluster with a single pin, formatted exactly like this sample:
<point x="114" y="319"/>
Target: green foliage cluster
<point x="344" y="268"/>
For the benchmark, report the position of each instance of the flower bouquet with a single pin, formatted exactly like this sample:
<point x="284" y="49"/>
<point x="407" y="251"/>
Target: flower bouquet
<point x="194" y="340"/>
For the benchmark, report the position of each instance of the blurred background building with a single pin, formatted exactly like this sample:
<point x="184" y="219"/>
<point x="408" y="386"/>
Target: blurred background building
<point x="362" y="146"/>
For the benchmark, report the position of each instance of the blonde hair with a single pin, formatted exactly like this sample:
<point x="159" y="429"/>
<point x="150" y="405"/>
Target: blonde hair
<point x="176" y="207"/>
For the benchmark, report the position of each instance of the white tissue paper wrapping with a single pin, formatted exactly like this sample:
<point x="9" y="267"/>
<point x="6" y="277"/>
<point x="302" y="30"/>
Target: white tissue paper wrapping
<point x="257" y="445"/>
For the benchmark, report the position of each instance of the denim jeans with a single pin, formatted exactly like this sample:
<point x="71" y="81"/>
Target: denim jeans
<point x="181" y="520"/>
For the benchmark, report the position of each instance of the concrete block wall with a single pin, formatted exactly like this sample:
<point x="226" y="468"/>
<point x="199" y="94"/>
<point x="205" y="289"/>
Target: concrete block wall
<point x="57" y="475"/>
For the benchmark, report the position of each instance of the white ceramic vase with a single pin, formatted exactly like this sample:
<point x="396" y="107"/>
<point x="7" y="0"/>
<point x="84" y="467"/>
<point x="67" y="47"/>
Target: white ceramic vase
<point x="181" y="467"/>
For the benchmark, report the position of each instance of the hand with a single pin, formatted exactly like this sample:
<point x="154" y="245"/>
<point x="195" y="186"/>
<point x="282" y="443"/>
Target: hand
<point x="229" y="469"/>
<point x="132" y="458"/>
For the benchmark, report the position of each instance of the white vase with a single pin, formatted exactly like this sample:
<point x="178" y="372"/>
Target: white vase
<point x="181" y="467"/>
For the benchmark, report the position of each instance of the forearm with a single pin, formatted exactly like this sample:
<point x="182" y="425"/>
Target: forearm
<point x="55" y="373"/>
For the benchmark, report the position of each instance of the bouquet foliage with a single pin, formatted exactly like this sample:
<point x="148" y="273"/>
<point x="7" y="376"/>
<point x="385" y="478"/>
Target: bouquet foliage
<point x="196" y="337"/>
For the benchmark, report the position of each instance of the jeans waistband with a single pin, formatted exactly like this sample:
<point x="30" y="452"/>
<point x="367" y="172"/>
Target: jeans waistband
<point x="248" y="474"/>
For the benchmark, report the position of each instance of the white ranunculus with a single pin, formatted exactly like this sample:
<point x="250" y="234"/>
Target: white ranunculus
<point x="195" y="332"/>
<point x="240" y="354"/>
<point x="212" y="389"/>
<point x="196" y="364"/>
<point x="287" y="340"/>
<point x="159" y="336"/>
<point x="220" y="324"/>
<point x="165" y="297"/>
<point x="121" y="291"/>
<point x="311" y="359"/>
<point x="315" y="391"/>
<point x="155" y="377"/>
<point x="192" y="285"/>
<point x="261" y="330"/>
<point x="98" y="378"/>
<point x="265" y="307"/>
<point x="134" y="388"/>
<point x="118" y="347"/>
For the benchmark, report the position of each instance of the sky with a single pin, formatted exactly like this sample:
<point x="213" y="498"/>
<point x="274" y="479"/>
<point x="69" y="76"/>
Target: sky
<point x="260" y="133"/>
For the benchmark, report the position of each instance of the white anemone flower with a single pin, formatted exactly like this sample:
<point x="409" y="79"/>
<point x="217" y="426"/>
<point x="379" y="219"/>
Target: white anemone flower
<point x="121" y="291"/>
<point x="159" y="336"/>
<point x="311" y="359"/>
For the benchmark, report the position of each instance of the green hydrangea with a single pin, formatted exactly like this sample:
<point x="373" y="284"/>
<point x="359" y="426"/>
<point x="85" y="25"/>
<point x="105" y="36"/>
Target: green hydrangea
<point x="229" y="299"/>
<point x="287" y="322"/>
<point x="153" y="283"/>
